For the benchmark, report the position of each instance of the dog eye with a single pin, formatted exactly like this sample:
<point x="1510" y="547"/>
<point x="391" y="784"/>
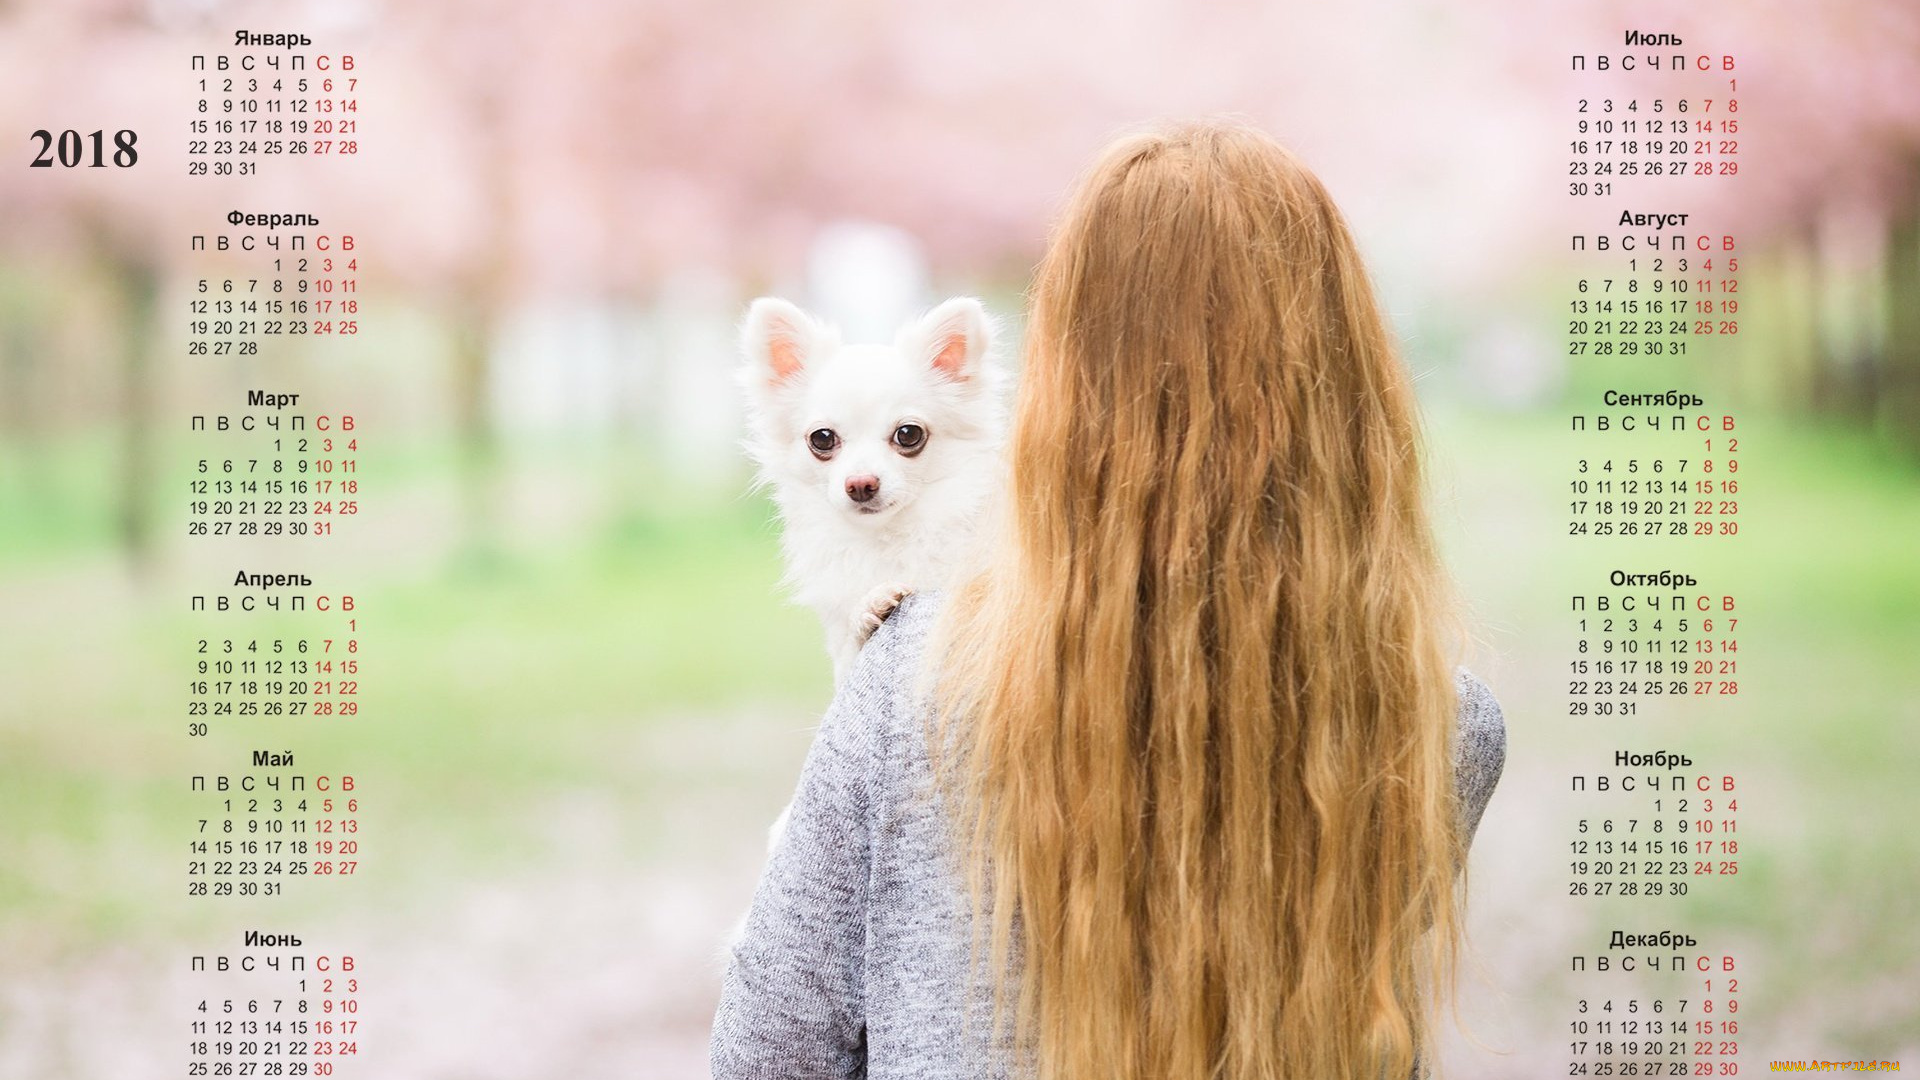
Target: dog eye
<point x="909" y="438"/>
<point x="823" y="442"/>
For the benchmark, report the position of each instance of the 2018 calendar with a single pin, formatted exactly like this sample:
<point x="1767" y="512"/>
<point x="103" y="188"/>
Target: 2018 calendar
<point x="431" y="585"/>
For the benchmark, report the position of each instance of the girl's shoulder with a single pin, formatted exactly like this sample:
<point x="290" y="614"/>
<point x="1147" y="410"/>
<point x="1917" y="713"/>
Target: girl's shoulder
<point x="1480" y="747"/>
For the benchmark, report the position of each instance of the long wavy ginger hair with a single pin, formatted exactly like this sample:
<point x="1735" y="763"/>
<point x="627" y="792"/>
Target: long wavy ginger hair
<point x="1202" y="780"/>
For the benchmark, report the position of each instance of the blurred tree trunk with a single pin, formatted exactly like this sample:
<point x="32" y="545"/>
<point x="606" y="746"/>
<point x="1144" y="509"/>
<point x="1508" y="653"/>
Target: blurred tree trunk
<point x="19" y="352"/>
<point x="478" y="313"/>
<point x="1898" y="404"/>
<point x="1798" y="350"/>
<point x="136" y="284"/>
<point x="478" y="445"/>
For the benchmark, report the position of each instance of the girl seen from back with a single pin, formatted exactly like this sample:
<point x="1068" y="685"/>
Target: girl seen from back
<point x="1181" y="786"/>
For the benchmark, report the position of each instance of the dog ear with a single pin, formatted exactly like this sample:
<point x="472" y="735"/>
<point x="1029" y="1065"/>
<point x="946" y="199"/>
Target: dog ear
<point x="954" y="338"/>
<point x="778" y="339"/>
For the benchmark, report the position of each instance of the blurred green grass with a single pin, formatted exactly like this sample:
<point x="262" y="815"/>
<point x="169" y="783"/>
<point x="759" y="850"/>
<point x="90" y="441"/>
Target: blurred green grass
<point x="498" y="682"/>
<point x="637" y="675"/>
<point x="1824" y="733"/>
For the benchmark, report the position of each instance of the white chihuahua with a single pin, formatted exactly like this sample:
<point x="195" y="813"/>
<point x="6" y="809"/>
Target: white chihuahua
<point x="883" y="459"/>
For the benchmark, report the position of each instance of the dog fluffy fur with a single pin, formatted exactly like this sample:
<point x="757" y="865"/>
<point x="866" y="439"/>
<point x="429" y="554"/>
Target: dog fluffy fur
<point x="882" y="459"/>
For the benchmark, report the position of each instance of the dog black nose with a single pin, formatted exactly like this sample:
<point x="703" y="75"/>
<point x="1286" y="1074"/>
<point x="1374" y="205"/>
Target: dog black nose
<point x="862" y="488"/>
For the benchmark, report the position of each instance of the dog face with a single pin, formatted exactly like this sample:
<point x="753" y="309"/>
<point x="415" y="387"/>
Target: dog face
<point x="866" y="430"/>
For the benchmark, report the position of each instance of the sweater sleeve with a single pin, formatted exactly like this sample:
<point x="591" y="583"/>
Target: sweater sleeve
<point x="1480" y="749"/>
<point x="791" y="1003"/>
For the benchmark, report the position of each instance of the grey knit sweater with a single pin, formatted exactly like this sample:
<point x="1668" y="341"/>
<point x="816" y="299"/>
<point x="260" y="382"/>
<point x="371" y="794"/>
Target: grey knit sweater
<point x="854" y="959"/>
